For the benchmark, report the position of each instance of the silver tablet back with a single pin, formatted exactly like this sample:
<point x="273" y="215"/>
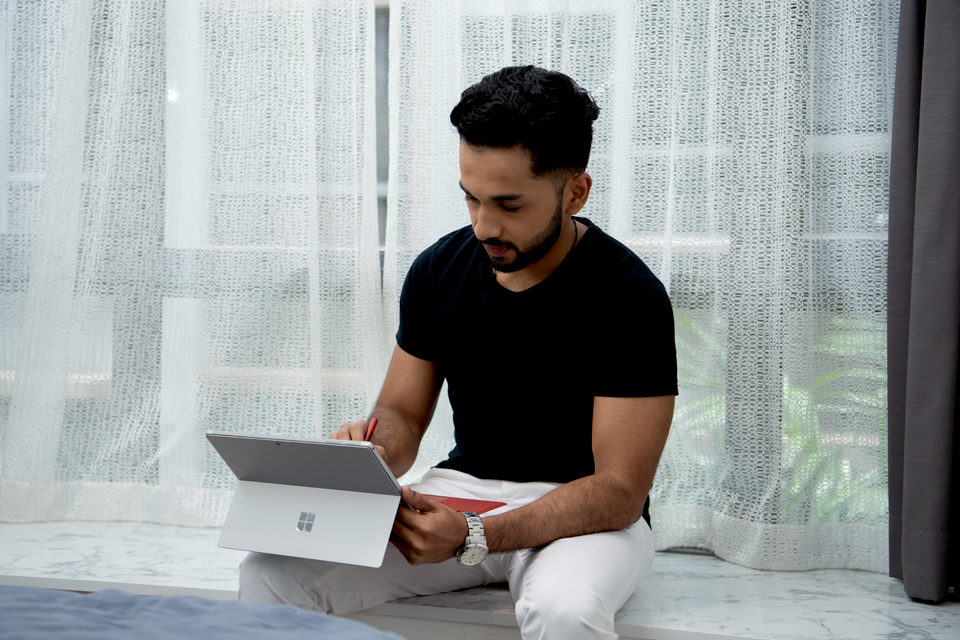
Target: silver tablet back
<point x="329" y="500"/>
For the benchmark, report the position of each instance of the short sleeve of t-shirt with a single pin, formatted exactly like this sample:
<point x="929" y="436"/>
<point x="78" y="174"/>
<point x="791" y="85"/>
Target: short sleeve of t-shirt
<point x="633" y="352"/>
<point x="413" y="334"/>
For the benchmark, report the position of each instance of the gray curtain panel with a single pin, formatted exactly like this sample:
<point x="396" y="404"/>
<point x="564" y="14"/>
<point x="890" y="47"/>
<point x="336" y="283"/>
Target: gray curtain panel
<point x="924" y="302"/>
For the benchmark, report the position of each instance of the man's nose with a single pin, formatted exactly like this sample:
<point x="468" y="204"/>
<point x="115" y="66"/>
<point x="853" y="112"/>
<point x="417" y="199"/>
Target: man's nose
<point x="487" y="223"/>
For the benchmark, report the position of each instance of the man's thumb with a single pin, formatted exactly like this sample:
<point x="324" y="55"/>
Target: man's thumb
<point x="416" y="500"/>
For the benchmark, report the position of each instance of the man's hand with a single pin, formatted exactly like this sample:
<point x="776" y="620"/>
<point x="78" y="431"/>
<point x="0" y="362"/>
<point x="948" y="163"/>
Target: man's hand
<point x="357" y="431"/>
<point x="425" y="530"/>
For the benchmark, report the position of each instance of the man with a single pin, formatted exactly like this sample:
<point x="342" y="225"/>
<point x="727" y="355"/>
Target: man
<point x="557" y="346"/>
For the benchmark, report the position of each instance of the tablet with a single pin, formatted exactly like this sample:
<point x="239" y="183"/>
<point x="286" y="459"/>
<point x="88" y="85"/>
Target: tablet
<point x="331" y="500"/>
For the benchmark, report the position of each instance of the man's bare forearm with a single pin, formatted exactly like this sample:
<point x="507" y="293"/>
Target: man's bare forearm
<point x="587" y="505"/>
<point x="399" y="437"/>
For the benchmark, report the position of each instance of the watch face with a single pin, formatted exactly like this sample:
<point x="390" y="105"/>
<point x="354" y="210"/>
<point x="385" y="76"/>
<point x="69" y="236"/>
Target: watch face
<point x="472" y="555"/>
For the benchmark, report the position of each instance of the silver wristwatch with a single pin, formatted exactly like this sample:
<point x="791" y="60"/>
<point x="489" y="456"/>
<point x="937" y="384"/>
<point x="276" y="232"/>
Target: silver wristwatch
<point x="474" y="548"/>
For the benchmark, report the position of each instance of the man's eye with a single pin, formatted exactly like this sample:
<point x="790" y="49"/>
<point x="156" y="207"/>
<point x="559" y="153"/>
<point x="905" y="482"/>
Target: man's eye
<point x="507" y="208"/>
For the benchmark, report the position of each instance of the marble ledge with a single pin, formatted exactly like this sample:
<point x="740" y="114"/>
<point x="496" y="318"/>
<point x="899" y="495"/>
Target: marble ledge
<point x="683" y="598"/>
<point x="141" y="558"/>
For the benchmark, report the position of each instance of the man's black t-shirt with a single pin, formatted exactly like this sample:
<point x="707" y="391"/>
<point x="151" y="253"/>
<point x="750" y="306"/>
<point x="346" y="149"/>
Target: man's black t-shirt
<point x="522" y="368"/>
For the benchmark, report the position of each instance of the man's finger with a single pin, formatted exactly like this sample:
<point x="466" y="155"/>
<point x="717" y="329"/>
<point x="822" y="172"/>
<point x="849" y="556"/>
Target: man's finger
<point x="402" y="547"/>
<point x="400" y="525"/>
<point x="417" y="500"/>
<point x="350" y="431"/>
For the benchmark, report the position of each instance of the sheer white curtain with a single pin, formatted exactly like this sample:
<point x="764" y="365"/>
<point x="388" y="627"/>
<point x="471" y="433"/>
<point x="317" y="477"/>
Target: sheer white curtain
<point x="742" y="152"/>
<point x="188" y="241"/>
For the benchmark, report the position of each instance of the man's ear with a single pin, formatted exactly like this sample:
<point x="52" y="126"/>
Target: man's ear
<point x="576" y="192"/>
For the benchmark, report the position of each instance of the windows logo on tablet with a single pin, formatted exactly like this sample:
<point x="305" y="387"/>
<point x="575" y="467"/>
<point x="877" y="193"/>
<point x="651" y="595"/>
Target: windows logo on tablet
<point x="305" y="523"/>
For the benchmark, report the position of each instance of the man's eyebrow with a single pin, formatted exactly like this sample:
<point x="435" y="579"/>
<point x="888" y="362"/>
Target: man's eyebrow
<point x="506" y="196"/>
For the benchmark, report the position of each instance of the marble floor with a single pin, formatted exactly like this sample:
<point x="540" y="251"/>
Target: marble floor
<point x="685" y="597"/>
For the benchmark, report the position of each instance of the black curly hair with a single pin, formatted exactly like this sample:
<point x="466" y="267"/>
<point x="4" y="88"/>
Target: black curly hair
<point x="546" y="112"/>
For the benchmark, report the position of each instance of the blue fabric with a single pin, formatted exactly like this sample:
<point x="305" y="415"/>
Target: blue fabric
<point x="27" y="613"/>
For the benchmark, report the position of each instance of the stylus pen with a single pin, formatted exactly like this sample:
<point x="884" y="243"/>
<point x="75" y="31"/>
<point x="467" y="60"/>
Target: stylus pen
<point x="370" y="428"/>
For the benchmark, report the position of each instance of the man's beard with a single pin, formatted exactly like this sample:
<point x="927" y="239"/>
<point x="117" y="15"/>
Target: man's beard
<point x="538" y="248"/>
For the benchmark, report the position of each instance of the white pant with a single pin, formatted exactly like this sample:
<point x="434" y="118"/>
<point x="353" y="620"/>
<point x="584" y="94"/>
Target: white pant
<point x="570" y="588"/>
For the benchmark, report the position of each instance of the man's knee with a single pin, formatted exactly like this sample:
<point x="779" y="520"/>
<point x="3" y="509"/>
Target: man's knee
<point x="275" y="579"/>
<point x="560" y="611"/>
<point x="260" y="574"/>
<point x="327" y="587"/>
